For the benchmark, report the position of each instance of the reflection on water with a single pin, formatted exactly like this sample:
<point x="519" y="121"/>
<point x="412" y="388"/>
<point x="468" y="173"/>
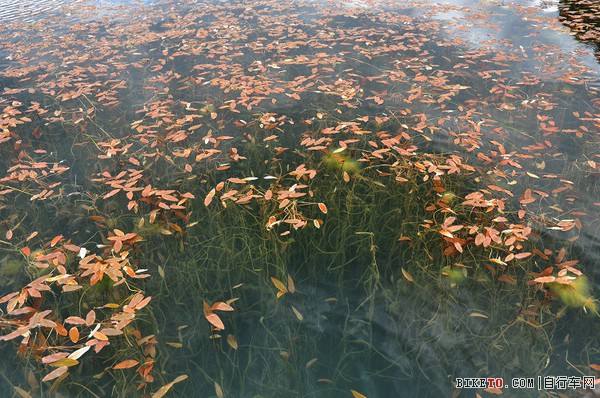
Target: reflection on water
<point x="27" y="10"/>
<point x="322" y="199"/>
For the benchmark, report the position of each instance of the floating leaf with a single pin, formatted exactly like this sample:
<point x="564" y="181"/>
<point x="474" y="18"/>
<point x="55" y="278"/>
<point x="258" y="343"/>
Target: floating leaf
<point x="322" y="207"/>
<point x="218" y="390"/>
<point x="214" y="320"/>
<point x="74" y="334"/>
<point x="55" y="373"/>
<point x="126" y="364"/>
<point x="68" y="362"/>
<point x="209" y="197"/>
<point x="407" y="275"/>
<point x="79" y="353"/>
<point x="545" y="279"/>
<point x="291" y="285"/>
<point x="21" y="393"/>
<point x="232" y="341"/>
<point x="297" y="313"/>
<point x="356" y="394"/>
<point x="282" y="289"/>
<point x="165" y="389"/>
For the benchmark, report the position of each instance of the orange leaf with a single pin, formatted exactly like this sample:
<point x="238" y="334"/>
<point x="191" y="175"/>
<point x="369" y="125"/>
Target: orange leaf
<point x="214" y="320"/>
<point x="126" y="364"/>
<point x="545" y="279"/>
<point x="221" y="306"/>
<point x="209" y="197"/>
<point x="55" y="240"/>
<point x="322" y="207"/>
<point x="74" y="334"/>
<point x="112" y="193"/>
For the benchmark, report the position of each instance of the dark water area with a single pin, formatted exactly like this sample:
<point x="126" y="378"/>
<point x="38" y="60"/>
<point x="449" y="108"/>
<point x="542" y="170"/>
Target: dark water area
<point x="298" y="199"/>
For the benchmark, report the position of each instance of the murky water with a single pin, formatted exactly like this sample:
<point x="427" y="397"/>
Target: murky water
<point x="323" y="199"/>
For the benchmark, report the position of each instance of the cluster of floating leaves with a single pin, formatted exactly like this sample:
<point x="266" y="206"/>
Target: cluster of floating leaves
<point x="161" y="104"/>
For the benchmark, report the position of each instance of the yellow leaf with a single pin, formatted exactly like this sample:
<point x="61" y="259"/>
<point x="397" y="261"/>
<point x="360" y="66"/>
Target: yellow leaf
<point x="161" y="392"/>
<point x="356" y="394"/>
<point x="218" y="390"/>
<point x="66" y="362"/>
<point x="279" y="285"/>
<point x="232" y="341"/>
<point x="407" y="275"/>
<point x="297" y="313"/>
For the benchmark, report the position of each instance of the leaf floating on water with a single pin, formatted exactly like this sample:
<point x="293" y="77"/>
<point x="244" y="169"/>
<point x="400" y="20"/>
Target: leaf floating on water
<point x="545" y="279"/>
<point x="55" y="240"/>
<point x="67" y="362"/>
<point x="346" y="177"/>
<point x="126" y="364"/>
<point x="209" y="197"/>
<point x="55" y="373"/>
<point x="356" y="394"/>
<point x="161" y="392"/>
<point x="407" y="275"/>
<point x="214" y="320"/>
<point x="232" y="341"/>
<point x="221" y="306"/>
<point x="291" y="285"/>
<point x="22" y="393"/>
<point x="297" y="313"/>
<point x="478" y="315"/>
<point x="79" y="353"/>
<point x="74" y="334"/>
<point x="322" y="207"/>
<point x="219" y="390"/>
<point x="281" y="288"/>
<point x="112" y="193"/>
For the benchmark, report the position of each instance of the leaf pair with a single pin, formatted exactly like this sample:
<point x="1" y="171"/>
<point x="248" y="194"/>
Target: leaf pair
<point x="213" y="318"/>
<point x="282" y="289"/>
